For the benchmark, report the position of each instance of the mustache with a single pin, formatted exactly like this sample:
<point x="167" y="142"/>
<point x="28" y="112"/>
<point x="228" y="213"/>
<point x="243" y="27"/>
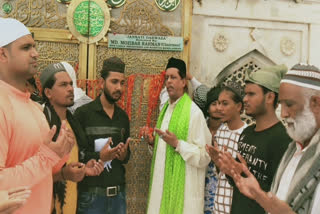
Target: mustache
<point x="117" y="92"/>
<point x="288" y="120"/>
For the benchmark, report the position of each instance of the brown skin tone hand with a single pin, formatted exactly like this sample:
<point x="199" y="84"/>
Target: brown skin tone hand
<point x="168" y="137"/>
<point x="122" y="149"/>
<point x="94" y="168"/>
<point x="107" y="153"/>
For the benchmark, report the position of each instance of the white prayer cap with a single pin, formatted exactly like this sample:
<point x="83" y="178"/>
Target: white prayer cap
<point x="11" y="30"/>
<point x="303" y="75"/>
<point x="71" y="73"/>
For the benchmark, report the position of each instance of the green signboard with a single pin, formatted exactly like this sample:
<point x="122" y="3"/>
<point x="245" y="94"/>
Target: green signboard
<point x="88" y="15"/>
<point x="145" y="42"/>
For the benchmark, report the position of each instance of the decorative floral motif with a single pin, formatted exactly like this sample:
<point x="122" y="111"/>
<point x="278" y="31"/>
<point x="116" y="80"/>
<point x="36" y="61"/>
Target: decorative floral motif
<point x="116" y="3"/>
<point x="167" y="5"/>
<point x="287" y="46"/>
<point x="38" y="13"/>
<point x="7" y="7"/>
<point x="146" y="21"/>
<point x="220" y="42"/>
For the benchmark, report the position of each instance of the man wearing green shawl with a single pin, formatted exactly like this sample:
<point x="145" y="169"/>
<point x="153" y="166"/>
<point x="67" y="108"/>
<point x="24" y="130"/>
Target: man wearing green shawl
<point x="179" y="158"/>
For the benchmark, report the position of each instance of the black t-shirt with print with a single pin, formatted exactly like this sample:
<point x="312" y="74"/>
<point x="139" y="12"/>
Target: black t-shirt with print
<point x="262" y="151"/>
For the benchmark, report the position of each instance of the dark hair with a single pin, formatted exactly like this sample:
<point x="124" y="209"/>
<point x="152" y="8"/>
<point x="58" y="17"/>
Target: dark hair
<point x="212" y="96"/>
<point x="236" y="97"/>
<point x="182" y="74"/>
<point x="113" y="64"/>
<point x="105" y="74"/>
<point x="32" y="82"/>
<point x="275" y="101"/>
<point x="49" y="84"/>
<point x="265" y="91"/>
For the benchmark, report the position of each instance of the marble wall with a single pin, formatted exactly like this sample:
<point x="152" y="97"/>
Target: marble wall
<point x="226" y="32"/>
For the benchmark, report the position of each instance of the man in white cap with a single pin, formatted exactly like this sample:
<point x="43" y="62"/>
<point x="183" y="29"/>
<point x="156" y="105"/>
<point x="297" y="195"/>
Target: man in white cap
<point x="80" y="97"/>
<point x="296" y="184"/>
<point x="27" y="153"/>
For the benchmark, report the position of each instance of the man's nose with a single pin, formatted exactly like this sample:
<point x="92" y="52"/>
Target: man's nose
<point x="245" y="98"/>
<point x="34" y="53"/>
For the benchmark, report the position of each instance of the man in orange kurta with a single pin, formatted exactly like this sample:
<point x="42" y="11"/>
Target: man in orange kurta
<point x="27" y="154"/>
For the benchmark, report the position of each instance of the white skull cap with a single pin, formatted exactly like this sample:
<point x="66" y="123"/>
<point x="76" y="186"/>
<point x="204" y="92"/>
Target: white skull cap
<point x="11" y="30"/>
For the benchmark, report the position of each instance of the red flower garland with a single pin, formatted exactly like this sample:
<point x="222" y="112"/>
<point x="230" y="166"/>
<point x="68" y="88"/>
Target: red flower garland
<point x="154" y="92"/>
<point x="130" y="87"/>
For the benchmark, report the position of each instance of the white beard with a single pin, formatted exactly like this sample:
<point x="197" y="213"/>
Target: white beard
<point x="304" y="126"/>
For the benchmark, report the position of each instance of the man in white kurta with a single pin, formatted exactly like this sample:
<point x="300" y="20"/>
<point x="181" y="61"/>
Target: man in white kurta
<point x="192" y="150"/>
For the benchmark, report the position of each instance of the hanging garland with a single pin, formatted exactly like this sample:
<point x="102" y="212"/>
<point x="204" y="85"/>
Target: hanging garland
<point x="130" y="87"/>
<point x="155" y="89"/>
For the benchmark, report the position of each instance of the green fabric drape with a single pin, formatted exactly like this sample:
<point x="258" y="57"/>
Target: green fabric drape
<point x="174" y="176"/>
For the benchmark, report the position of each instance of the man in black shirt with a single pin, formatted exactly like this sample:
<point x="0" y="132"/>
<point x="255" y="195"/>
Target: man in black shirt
<point x="102" y="118"/>
<point x="263" y="144"/>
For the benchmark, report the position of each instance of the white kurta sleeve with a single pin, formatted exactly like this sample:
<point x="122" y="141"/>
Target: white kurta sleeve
<point x="164" y="97"/>
<point x="194" y="83"/>
<point x="194" y="151"/>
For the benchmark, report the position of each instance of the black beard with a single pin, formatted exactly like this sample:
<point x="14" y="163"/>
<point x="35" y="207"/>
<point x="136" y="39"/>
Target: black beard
<point x="215" y="118"/>
<point x="110" y="99"/>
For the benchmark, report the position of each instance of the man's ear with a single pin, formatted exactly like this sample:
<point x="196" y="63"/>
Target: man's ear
<point x="101" y="83"/>
<point x="270" y="96"/>
<point x="3" y="55"/>
<point x="47" y="92"/>
<point x="315" y="104"/>
<point x="185" y="81"/>
<point x="239" y="107"/>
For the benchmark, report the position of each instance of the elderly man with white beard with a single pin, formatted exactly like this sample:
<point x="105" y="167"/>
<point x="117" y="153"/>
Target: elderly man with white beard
<point x="295" y="188"/>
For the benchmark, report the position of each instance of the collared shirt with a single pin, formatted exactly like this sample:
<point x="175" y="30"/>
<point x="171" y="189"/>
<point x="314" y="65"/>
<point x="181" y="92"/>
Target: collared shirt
<point x="97" y="124"/>
<point x="24" y="159"/>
